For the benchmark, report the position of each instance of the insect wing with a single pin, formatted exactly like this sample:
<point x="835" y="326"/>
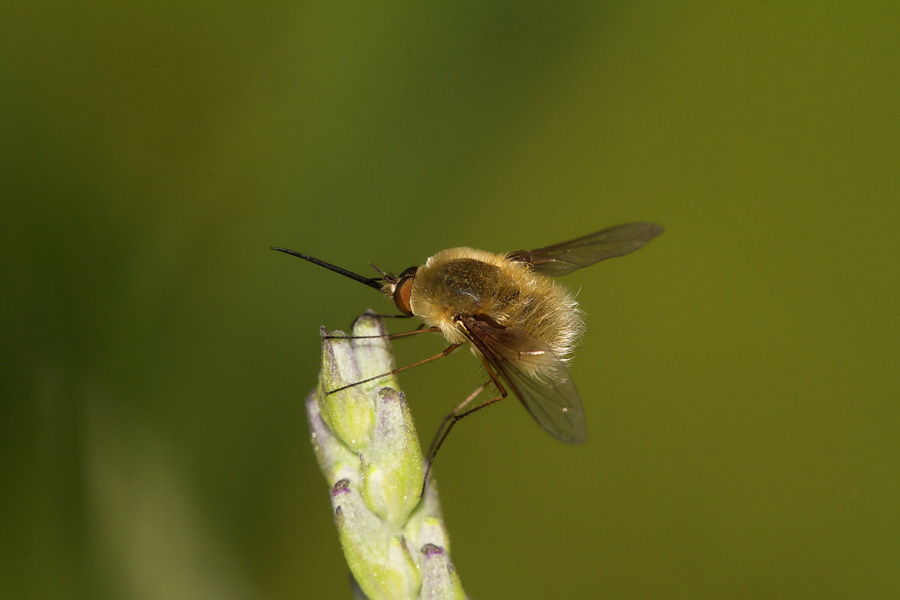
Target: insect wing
<point x="561" y="259"/>
<point x="553" y="400"/>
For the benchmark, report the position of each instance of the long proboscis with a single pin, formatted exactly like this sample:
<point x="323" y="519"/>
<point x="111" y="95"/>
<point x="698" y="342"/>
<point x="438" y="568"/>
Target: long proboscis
<point x="375" y="283"/>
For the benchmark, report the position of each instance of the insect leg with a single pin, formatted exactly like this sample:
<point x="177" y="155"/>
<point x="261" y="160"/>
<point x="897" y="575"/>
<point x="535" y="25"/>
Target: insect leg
<point x="389" y="336"/>
<point x="454" y="417"/>
<point x="439" y="438"/>
<point x="447" y="351"/>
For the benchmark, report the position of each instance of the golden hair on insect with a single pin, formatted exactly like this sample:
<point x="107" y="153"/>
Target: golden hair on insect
<point x="465" y="281"/>
<point x="516" y="318"/>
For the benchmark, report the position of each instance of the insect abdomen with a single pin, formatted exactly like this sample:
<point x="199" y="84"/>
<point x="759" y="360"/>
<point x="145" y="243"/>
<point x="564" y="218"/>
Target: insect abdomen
<point x="467" y="282"/>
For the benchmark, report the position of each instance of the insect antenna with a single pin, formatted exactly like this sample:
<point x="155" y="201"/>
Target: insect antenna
<point x="383" y="274"/>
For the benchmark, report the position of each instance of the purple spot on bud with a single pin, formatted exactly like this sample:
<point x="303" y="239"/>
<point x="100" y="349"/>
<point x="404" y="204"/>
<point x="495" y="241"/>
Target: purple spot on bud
<point x="341" y="487"/>
<point x="432" y="550"/>
<point x="388" y="393"/>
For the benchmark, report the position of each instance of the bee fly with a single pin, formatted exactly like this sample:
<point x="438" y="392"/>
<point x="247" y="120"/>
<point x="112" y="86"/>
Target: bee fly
<point x="517" y="320"/>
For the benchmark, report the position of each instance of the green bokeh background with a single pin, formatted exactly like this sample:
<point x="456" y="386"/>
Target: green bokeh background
<point x="740" y="372"/>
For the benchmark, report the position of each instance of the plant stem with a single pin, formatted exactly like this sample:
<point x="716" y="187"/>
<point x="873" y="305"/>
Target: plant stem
<point x="394" y="541"/>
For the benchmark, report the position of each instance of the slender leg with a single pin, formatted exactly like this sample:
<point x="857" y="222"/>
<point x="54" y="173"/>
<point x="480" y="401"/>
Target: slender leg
<point x="446" y="352"/>
<point x="438" y="437"/>
<point x="389" y="336"/>
<point x="454" y="418"/>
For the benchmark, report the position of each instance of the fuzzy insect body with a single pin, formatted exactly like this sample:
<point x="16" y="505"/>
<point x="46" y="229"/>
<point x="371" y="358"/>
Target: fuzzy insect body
<point x="520" y="322"/>
<point x="465" y="283"/>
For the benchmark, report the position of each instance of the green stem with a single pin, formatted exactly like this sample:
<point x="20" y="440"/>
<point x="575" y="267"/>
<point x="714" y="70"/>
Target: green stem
<point x="395" y="542"/>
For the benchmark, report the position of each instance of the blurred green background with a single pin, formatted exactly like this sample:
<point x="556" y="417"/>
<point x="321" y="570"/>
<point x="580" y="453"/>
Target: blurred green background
<point x="740" y="372"/>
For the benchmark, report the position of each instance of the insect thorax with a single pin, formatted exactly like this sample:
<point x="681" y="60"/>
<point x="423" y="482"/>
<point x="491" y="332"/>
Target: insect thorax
<point x="463" y="282"/>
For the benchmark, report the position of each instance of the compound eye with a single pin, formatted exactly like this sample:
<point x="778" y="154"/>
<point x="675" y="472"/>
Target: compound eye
<point x="402" y="292"/>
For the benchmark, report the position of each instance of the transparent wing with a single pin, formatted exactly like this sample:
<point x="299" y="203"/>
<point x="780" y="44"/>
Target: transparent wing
<point x="514" y="354"/>
<point x="566" y="257"/>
